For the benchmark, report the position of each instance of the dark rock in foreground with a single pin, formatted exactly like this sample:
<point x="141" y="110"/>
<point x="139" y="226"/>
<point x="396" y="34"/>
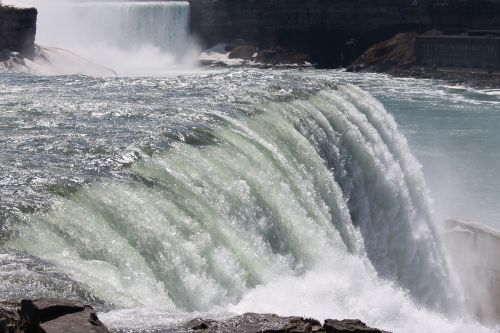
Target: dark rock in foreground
<point x="9" y="320"/>
<point x="50" y="316"/>
<point x="271" y="323"/>
<point x="64" y="316"/>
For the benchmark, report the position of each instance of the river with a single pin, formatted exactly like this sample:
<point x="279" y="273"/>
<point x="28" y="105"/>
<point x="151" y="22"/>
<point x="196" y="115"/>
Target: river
<point x="219" y="191"/>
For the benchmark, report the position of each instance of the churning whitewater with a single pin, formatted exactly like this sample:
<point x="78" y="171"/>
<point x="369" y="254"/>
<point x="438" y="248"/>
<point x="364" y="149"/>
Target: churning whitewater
<point x="215" y="192"/>
<point x="308" y="194"/>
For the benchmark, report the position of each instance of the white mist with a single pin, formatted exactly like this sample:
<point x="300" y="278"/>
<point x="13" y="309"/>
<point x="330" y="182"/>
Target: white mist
<point x="112" y="38"/>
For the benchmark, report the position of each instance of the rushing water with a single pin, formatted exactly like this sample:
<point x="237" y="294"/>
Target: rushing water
<point x="454" y="133"/>
<point x="293" y="192"/>
<point x="211" y="190"/>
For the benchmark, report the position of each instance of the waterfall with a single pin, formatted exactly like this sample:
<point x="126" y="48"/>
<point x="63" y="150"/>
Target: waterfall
<point x="126" y="37"/>
<point x="127" y="26"/>
<point x="318" y="195"/>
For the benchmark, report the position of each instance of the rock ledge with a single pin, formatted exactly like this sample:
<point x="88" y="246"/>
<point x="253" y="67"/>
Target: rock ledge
<point x="271" y="323"/>
<point x="49" y="316"/>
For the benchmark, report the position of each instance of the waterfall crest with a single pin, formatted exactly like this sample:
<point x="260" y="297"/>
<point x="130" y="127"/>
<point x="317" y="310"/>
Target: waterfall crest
<point x="280" y="190"/>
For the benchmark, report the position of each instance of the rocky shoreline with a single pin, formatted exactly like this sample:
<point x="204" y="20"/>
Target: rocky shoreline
<point x="66" y="316"/>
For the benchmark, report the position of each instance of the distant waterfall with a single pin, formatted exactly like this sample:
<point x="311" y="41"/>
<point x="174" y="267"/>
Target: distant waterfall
<point x="126" y="26"/>
<point x="126" y="37"/>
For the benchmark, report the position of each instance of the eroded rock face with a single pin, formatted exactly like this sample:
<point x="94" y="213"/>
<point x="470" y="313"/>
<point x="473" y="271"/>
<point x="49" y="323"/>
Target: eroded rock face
<point x="18" y="29"/>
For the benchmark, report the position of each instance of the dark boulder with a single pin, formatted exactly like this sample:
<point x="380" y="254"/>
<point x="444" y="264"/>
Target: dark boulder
<point x="58" y="316"/>
<point x="9" y="320"/>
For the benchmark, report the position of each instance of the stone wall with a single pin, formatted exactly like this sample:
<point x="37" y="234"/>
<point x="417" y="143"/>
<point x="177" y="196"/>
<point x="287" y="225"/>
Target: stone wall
<point x="459" y="51"/>
<point x="18" y="29"/>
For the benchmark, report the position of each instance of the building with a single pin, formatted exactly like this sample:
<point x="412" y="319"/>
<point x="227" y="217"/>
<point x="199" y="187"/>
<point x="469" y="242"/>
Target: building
<point x="459" y="51"/>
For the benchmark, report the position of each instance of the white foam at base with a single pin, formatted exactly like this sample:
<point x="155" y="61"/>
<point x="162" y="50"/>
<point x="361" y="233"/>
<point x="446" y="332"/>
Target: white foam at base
<point x="112" y="38"/>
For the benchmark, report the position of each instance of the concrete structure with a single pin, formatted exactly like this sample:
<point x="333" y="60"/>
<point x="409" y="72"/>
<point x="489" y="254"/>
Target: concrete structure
<point x="459" y="51"/>
<point x="474" y="251"/>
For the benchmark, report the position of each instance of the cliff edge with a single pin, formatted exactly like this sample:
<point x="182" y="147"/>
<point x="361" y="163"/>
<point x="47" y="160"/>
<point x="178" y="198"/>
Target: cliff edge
<point x="333" y="32"/>
<point x="18" y="29"/>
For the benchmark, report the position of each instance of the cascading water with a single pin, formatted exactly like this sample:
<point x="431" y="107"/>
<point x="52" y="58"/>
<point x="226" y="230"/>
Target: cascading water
<point x="127" y="26"/>
<point x="307" y="194"/>
<point x="103" y="38"/>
